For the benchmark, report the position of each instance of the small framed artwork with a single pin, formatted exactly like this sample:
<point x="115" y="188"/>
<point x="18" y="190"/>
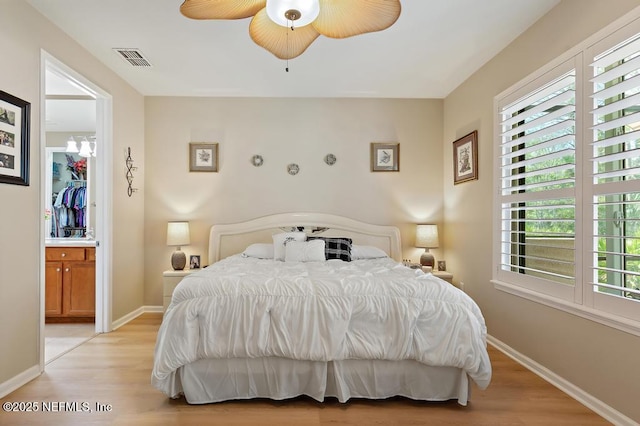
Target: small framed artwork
<point x="14" y="140"/>
<point x="194" y="261"/>
<point x="203" y="157"/>
<point x="465" y="158"/>
<point x="442" y="265"/>
<point x="385" y="157"/>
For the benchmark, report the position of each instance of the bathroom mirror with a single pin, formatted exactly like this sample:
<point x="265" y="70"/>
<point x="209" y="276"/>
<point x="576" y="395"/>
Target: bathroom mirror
<point x="68" y="202"/>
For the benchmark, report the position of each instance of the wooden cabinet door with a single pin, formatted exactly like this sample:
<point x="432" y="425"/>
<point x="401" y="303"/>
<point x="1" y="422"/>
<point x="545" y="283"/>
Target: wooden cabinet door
<point x="53" y="289"/>
<point x="79" y="289"/>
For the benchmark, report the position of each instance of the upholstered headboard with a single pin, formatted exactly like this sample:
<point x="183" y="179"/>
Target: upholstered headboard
<point x="232" y="238"/>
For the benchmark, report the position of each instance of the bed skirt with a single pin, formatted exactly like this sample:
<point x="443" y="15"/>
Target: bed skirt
<point x="215" y="380"/>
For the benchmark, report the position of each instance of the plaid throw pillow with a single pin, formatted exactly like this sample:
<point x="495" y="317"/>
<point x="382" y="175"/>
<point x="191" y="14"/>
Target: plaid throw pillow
<point x="336" y="248"/>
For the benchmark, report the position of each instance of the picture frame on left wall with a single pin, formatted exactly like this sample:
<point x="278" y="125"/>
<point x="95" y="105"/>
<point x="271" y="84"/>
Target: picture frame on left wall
<point x="203" y="157"/>
<point x="14" y="139"/>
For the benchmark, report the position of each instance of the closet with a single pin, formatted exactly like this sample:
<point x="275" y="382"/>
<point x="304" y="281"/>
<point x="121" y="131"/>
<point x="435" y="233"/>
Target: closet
<point x="69" y="210"/>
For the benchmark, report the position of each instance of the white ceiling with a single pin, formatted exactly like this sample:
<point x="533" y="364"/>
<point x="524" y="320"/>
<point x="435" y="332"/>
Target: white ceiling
<point x="432" y="48"/>
<point x="68" y="107"/>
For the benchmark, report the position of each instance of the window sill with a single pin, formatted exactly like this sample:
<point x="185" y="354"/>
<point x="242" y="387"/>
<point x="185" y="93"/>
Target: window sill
<point x="614" y="321"/>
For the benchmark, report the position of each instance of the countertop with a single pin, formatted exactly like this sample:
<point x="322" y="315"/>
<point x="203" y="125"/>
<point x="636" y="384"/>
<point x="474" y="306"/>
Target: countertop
<point x="69" y="242"/>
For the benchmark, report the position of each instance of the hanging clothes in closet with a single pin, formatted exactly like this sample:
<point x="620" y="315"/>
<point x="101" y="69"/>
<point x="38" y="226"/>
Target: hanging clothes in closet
<point x="69" y="211"/>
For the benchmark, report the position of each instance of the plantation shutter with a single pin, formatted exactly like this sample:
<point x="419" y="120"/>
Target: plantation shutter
<point x="537" y="185"/>
<point x="615" y="140"/>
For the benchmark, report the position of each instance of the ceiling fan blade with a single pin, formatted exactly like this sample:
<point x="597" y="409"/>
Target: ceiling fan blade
<point x="340" y="19"/>
<point x="279" y="40"/>
<point x="221" y="9"/>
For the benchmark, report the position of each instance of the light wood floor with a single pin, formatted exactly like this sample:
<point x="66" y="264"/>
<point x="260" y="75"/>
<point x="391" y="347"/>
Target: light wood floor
<point x="115" y="369"/>
<point x="62" y="337"/>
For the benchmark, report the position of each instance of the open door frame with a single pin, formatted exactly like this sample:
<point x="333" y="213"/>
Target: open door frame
<point x="103" y="198"/>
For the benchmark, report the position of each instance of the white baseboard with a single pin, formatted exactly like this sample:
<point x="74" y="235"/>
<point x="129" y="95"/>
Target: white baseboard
<point x="20" y="380"/>
<point x="135" y="314"/>
<point x="588" y="400"/>
<point x="154" y="309"/>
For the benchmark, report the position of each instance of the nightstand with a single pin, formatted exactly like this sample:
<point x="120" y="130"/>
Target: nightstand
<point x="443" y="275"/>
<point x="170" y="280"/>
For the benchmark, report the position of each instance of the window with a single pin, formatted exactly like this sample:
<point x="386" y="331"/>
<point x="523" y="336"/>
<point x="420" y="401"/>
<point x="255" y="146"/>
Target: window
<point x="614" y="139"/>
<point x="538" y="183"/>
<point x="568" y="201"/>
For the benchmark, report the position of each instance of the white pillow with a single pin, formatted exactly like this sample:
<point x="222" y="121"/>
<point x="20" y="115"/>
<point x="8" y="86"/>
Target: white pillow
<point x="366" y="252"/>
<point x="279" y="241"/>
<point x="259" y="250"/>
<point x="304" y="251"/>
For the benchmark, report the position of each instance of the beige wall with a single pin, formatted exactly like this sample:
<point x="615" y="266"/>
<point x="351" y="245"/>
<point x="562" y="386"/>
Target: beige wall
<point x="286" y="131"/>
<point x="594" y="357"/>
<point x="24" y="33"/>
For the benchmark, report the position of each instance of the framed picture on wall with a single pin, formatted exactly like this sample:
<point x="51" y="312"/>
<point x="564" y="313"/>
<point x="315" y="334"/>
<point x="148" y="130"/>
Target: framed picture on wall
<point x="14" y="140"/>
<point x="203" y="157"/>
<point x="385" y="157"/>
<point x="465" y="158"/>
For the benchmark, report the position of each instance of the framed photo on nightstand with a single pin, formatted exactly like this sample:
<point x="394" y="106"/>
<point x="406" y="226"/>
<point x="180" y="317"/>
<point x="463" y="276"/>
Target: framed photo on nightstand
<point x="194" y="261"/>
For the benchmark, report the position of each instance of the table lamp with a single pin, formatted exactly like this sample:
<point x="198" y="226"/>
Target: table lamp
<point x="178" y="235"/>
<point x="427" y="237"/>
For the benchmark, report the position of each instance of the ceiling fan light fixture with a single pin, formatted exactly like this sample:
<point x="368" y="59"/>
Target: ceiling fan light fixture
<point x="269" y="27"/>
<point x="298" y="12"/>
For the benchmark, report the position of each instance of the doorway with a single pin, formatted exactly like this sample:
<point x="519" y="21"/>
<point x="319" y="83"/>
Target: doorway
<point x="75" y="287"/>
<point x="68" y="235"/>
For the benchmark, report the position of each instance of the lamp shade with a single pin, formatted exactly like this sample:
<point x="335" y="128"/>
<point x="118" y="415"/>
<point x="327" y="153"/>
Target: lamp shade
<point x="178" y="234"/>
<point x="427" y="236"/>
<point x="85" y="149"/>
<point x="72" y="145"/>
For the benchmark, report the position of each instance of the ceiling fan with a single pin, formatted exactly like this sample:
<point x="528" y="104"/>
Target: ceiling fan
<point x="287" y="27"/>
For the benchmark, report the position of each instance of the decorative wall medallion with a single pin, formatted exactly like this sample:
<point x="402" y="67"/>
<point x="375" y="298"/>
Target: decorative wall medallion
<point x="293" y="169"/>
<point x="330" y="159"/>
<point x="257" y="160"/>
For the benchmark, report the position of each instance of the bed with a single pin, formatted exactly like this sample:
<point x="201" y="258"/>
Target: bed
<point x="318" y="305"/>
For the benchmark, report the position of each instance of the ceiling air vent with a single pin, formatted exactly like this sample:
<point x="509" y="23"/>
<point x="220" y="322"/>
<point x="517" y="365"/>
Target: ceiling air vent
<point x="133" y="57"/>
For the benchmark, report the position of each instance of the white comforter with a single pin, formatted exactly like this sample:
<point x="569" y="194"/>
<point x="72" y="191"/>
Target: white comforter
<point x="321" y="311"/>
